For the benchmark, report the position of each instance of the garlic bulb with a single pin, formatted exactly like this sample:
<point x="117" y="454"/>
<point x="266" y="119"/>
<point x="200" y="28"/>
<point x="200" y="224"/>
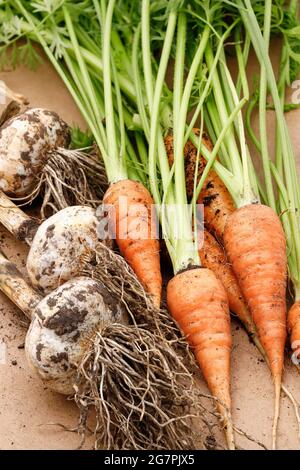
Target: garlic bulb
<point x="63" y="323"/>
<point x="59" y="245"/>
<point x="25" y="142"/>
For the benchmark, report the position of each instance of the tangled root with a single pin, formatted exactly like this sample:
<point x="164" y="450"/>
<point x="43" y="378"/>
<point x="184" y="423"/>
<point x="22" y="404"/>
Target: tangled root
<point x="70" y="177"/>
<point x="135" y="376"/>
<point x="139" y="390"/>
<point x="113" y="271"/>
<point x="139" y="377"/>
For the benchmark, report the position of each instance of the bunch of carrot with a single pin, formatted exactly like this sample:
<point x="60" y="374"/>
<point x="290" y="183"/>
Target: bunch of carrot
<point x="115" y="67"/>
<point x="245" y="226"/>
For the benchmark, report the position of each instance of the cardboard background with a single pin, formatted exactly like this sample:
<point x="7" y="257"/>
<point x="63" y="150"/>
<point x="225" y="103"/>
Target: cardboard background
<point x="27" y="407"/>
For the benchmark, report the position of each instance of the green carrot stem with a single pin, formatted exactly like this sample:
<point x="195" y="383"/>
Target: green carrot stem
<point x="179" y="69"/>
<point x="147" y="51"/>
<point x="236" y="191"/>
<point x="138" y="82"/>
<point x="223" y="116"/>
<point x="154" y="122"/>
<point x="195" y="65"/>
<point x="242" y="58"/>
<point x="263" y="113"/>
<point x="214" y="127"/>
<point x="119" y="171"/>
<point x="249" y="111"/>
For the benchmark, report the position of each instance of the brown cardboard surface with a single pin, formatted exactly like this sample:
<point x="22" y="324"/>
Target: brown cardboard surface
<point x="27" y="408"/>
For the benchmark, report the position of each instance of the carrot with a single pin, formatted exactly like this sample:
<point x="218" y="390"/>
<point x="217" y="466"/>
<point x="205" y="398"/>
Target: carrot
<point x="135" y="233"/>
<point x="198" y="302"/>
<point x="216" y="199"/>
<point x="293" y="325"/>
<point x="256" y="246"/>
<point x="213" y="257"/>
<point x="218" y="206"/>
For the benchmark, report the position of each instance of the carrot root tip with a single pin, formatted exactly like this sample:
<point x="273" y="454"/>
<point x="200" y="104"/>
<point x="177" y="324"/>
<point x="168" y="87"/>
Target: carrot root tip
<point x="229" y="430"/>
<point x="295" y="405"/>
<point x="277" y="382"/>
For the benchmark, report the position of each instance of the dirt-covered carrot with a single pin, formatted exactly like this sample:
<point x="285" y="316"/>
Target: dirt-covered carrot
<point x="218" y="206"/>
<point x="214" y="196"/>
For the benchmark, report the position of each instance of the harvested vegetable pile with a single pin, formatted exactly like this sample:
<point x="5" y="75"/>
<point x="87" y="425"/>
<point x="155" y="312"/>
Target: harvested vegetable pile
<point x="168" y="158"/>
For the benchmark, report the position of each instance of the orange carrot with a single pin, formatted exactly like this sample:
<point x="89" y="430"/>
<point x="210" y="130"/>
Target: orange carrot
<point x="255" y="244"/>
<point x="293" y="325"/>
<point x="198" y="302"/>
<point x="218" y="206"/>
<point x="218" y="203"/>
<point x="135" y="233"/>
<point x="213" y="257"/>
